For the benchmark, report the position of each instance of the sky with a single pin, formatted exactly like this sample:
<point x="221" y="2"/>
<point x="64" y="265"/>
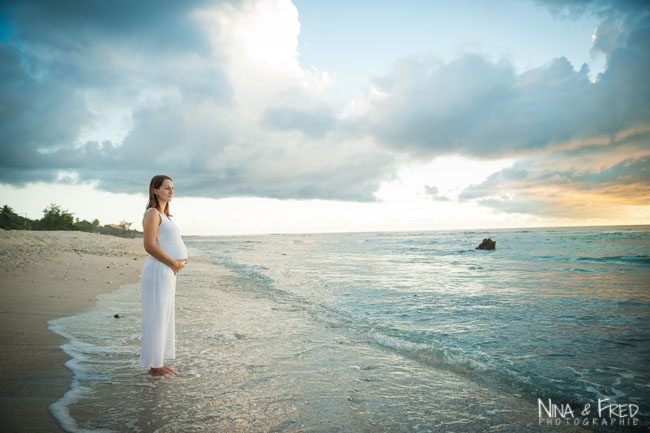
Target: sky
<point x="274" y="116"/>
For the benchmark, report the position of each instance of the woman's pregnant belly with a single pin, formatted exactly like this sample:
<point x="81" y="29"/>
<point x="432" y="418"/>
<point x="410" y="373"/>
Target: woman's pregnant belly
<point x="175" y="250"/>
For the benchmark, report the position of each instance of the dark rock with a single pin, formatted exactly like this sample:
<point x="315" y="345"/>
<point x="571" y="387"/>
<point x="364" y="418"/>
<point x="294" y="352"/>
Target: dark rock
<point x="487" y="244"/>
<point x="117" y="316"/>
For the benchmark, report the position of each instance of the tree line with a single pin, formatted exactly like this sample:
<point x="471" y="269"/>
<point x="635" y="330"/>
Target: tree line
<point x="55" y="218"/>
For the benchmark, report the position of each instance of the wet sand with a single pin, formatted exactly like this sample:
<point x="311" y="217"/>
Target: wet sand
<point x="46" y="275"/>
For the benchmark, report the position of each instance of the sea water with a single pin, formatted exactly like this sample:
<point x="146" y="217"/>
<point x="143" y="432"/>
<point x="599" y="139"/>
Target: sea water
<point x="381" y="332"/>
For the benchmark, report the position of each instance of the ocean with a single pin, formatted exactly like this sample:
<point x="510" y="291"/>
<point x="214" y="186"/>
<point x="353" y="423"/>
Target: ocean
<point x="395" y="332"/>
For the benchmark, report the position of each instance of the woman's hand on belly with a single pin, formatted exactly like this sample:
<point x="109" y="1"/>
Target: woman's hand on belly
<point x="178" y="265"/>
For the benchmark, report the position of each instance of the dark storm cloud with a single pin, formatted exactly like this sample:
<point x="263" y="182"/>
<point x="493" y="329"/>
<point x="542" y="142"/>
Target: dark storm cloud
<point x="34" y="112"/>
<point x="618" y="18"/>
<point x="44" y="109"/>
<point x="575" y="8"/>
<point x="69" y="23"/>
<point x="58" y="51"/>
<point x="60" y="60"/>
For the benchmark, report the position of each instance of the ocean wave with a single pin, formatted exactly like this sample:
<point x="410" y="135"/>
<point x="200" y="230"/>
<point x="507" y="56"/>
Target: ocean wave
<point x="472" y="363"/>
<point x="598" y="260"/>
<point x="624" y="260"/>
<point x="500" y="373"/>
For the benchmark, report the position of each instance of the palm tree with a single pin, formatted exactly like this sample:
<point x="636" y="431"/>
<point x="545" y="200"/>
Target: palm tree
<point x="8" y="218"/>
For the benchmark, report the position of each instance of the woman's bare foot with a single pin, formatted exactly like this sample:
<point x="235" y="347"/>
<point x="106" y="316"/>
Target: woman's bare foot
<point x="170" y="371"/>
<point x="162" y="371"/>
<point x="158" y="371"/>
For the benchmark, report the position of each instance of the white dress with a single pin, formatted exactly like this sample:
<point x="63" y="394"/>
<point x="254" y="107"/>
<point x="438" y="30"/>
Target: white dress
<point x="157" y="290"/>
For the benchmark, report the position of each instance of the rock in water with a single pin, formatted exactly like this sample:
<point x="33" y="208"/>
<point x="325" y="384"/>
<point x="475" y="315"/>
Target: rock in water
<point x="117" y="316"/>
<point x="487" y="244"/>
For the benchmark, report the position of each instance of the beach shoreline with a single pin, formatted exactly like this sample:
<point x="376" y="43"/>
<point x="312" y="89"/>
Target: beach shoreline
<point x="255" y="355"/>
<point x="47" y="275"/>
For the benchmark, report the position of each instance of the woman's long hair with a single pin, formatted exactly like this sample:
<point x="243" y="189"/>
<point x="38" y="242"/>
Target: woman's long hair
<point x="155" y="183"/>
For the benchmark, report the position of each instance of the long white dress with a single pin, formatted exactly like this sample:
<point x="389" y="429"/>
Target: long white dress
<point x="157" y="290"/>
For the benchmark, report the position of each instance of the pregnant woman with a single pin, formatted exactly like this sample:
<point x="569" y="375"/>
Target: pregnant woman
<point x="166" y="257"/>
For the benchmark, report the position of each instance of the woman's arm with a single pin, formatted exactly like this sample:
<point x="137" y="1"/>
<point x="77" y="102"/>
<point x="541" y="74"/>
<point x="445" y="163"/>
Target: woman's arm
<point x="150" y="225"/>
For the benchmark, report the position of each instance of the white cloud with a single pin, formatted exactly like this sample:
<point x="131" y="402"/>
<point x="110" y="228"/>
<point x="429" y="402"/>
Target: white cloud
<point x="449" y="174"/>
<point x="259" y="41"/>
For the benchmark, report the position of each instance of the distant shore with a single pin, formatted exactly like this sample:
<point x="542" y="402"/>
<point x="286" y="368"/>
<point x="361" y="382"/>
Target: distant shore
<point x="45" y="275"/>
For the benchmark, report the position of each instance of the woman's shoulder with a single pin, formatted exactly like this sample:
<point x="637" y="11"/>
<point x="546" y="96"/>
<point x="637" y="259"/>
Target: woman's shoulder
<point x="147" y="213"/>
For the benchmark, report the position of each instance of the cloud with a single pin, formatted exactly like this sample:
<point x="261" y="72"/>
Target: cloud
<point x="433" y="193"/>
<point x="582" y="147"/>
<point x="225" y="109"/>
<point x="33" y="113"/>
<point x="484" y="109"/>
<point x="431" y="190"/>
<point x="61" y="25"/>
<point x="212" y="93"/>
<point x="576" y="8"/>
<point x="296" y="111"/>
<point x="535" y="187"/>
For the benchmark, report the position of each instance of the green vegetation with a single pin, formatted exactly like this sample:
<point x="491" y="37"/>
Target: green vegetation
<point x="10" y="221"/>
<point x="55" y="218"/>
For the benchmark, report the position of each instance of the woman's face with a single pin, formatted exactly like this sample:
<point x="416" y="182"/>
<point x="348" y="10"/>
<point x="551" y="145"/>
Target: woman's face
<point x="166" y="190"/>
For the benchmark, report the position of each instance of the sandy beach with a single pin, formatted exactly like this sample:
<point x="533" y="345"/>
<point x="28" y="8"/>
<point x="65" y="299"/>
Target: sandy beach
<point x="46" y="275"/>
